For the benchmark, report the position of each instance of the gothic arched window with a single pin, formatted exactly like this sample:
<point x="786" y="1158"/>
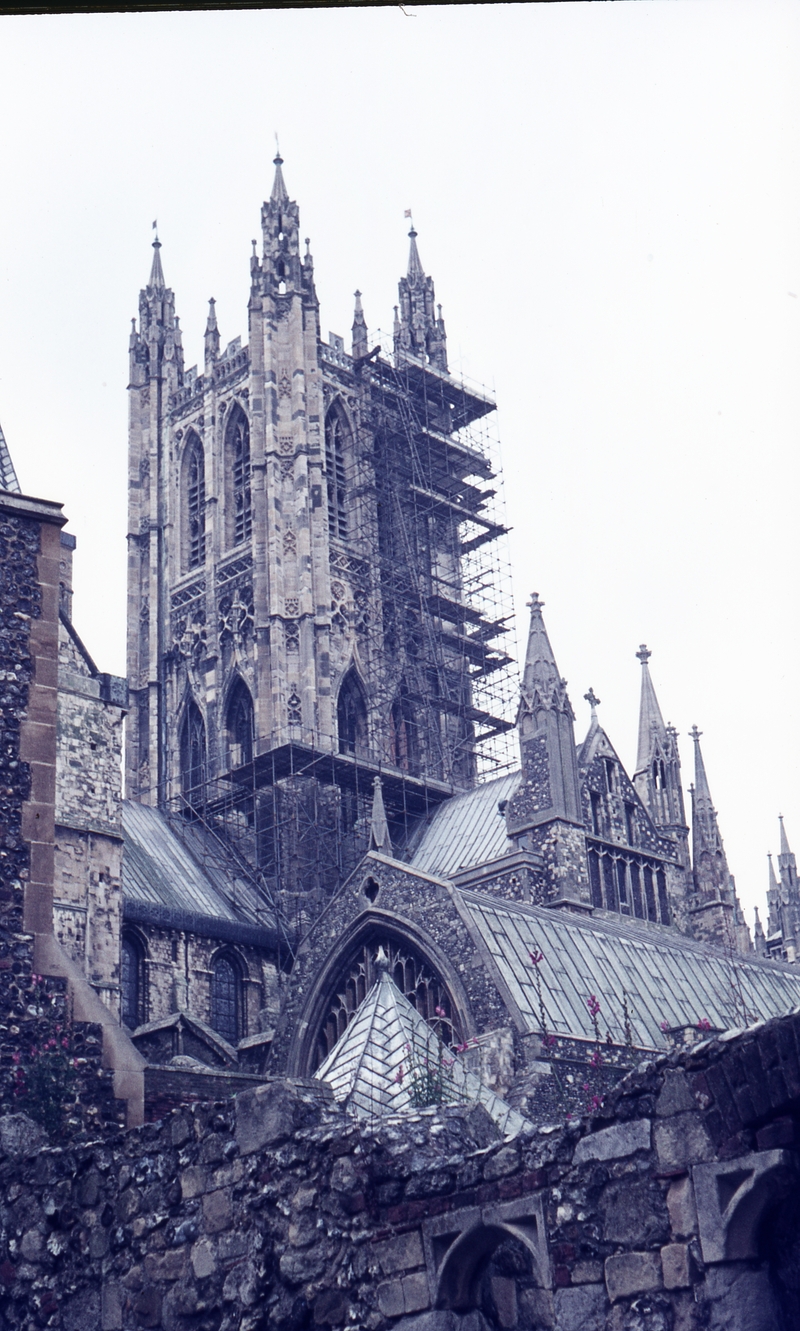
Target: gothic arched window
<point x="226" y="996"/>
<point x="241" y="726"/>
<point x="413" y="976"/>
<point x="403" y="734"/>
<point x="337" y="447"/>
<point x="132" y="981"/>
<point x="193" y="756"/>
<point x="351" y="714"/>
<point x="237" y="457"/>
<point x="194" y="503"/>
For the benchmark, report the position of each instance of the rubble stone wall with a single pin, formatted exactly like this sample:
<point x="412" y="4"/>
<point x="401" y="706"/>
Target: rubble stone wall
<point x="673" y="1209"/>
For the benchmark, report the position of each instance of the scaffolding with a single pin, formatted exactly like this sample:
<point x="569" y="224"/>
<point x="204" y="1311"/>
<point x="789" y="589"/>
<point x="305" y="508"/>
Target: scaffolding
<point x="426" y="552"/>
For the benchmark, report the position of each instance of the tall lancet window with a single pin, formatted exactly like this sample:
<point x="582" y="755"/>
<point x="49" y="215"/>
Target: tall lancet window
<point x="337" y="440"/>
<point x="193" y="756"/>
<point x="194" y="498"/>
<point x="237" y="450"/>
<point x="351" y="712"/>
<point x="240" y="725"/>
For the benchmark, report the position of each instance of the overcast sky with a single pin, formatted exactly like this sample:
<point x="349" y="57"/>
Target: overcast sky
<point x="608" y="199"/>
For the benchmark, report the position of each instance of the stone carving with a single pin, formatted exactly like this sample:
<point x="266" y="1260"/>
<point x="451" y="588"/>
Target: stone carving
<point x="292" y="635"/>
<point x="236" y="619"/>
<point x="295" y="708"/>
<point x="289" y="542"/>
<point x="189" y="636"/>
<point x="286" y="443"/>
<point x="293" y="606"/>
<point x="287" y="467"/>
<point x="285" y="385"/>
<point x="187" y="594"/>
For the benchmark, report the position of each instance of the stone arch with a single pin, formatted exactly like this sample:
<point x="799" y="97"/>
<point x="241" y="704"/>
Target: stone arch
<point x="193" y="754"/>
<point x="193" y="503"/>
<point x="338" y="468"/>
<point x="372" y="927"/>
<point x="240" y="722"/>
<point x="133" y="978"/>
<point x="227" y="1011"/>
<point x="236" y="453"/>
<point x="465" y="1262"/>
<point x="351" y="715"/>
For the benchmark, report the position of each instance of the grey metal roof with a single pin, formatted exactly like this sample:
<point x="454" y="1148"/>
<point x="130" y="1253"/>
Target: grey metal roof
<point x="467" y="830"/>
<point x="380" y="1062"/>
<point x="8" y="476"/>
<point x="667" y="977"/>
<point x="160" y="871"/>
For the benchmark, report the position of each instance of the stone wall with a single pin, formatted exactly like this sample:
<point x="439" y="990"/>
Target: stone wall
<point x="673" y="1209"/>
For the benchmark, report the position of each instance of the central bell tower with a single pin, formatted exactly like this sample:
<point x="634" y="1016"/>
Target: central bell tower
<point x="305" y="527"/>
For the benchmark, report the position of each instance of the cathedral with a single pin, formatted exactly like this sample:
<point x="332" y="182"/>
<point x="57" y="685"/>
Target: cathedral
<point x="330" y="851"/>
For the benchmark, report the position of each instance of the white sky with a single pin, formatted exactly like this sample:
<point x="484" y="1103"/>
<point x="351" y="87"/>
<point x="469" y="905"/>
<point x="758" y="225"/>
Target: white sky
<point x="608" y="199"/>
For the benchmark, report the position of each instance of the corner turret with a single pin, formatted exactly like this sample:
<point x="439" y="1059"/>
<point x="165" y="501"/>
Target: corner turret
<point x="716" y="913"/>
<point x="547" y="806"/>
<point x="419" y="331"/>
<point x="657" y="778"/>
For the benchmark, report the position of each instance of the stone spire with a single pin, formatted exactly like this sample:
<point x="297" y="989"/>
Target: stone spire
<point x="759" y="941"/>
<point x="548" y="797"/>
<point x="156" y="281"/>
<point x="360" y="346"/>
<point x="212" y="332"/>
<point x="379" y="838"/>
<point x="419" y="331"/>
<point x="789" y="897"/>
<point x="279" y="193"/>
<point x="657" y="779"/>
<point x="773" y="901"/>
<point x="786" y="853"/>
<point x="716" y="910"/>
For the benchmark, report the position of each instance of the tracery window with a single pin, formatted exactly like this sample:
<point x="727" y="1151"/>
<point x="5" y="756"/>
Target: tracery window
<point x="240" y="725"/>
<point x="240" y="522"/>
<point x="195" y="503"/>
<point x="226" y="985"/>
<point x="132" y="982"/>
<point x="351" y="716"/>
<point x="413" y="976"/>
<point x="336" y="447"/>
<point x="193" y="756"/>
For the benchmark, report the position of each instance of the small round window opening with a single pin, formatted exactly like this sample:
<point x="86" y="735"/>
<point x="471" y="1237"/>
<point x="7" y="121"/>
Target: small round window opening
<point x="371" y="890"/>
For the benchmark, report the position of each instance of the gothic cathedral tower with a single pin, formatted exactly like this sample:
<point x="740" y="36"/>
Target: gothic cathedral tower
<point x="303" y="523"/>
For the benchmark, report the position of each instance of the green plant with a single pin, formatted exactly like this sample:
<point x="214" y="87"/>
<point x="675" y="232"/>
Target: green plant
<point x="41" y="1081"/>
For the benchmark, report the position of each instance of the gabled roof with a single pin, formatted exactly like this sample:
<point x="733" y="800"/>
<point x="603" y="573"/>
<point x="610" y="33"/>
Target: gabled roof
<point x="163" y="877"/>
<point x="666" y="976"/>
<point x="468" y="830"/>
<point x="388" y="1054"/>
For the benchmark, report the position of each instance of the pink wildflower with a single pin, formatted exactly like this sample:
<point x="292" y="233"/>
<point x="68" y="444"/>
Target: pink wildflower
<point x="704" y="1024"/>
<point x="593" y="1004"/>
<point x="536" y="957"/>
<point x="665" y="1025"/>
<point x="398" y="1076"/>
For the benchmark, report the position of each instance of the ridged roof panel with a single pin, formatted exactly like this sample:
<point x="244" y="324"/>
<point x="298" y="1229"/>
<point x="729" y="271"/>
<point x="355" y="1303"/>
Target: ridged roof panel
<point x="467" y="830"/>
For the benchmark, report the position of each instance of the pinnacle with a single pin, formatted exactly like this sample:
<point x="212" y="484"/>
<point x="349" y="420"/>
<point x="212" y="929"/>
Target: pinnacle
<point x="415" y="270"/>
<point x="379" y="838"/>
<point x="785" y="848"/>
<point x="279" y="193"/>
<point x="651" y="722"/>
<point x="156" y="271"/>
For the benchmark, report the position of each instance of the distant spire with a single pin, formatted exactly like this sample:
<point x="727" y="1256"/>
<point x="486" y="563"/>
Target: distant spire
<point x="416" y="272"/>
<point x="379" y="838"/>
<point x="785" y="848"/>
<point x="773" y="882"/>
<point x="651" y="722"/>
<point x="360" y="347"/>
<point x="212" y="331"/>
<point x="8" y="476"/>
<point x="541" y="678"/>
<point x="279" y="193"/>
<point x="156" y="271"/>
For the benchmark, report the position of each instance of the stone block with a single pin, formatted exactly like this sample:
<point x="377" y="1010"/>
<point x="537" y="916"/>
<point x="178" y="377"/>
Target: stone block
<point x="580" y="1308"/>
<point x="681" y="1141"/>
<point x="738" y="1298"/>
<point x="681" y="1208"/>
<point x="614" y="1143"/>
<point x="504" y="1294"/>
<point x="675" y="1096"/>
<point x="633" y="1212"/>
<point x="587" y="1273"/>
<point x="299" y="1265"/>
<point x="390" y="1298"/>
<point x="731" y="1198"/>
<point x="400" y="1254"/>
<point x="217" y="1210"/>
<point x="204" y="1263"/>
<point x="505" y="1161"/>
<point x="266" y="1116"/>
<point x="630" y="1273"/>
<point x="676" y="1266"/>
<point x="193" y="1182"/>
<point x="111" y="1307"/>
<point x="778" y="1133"/>
<point x="331" y="1308"/>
